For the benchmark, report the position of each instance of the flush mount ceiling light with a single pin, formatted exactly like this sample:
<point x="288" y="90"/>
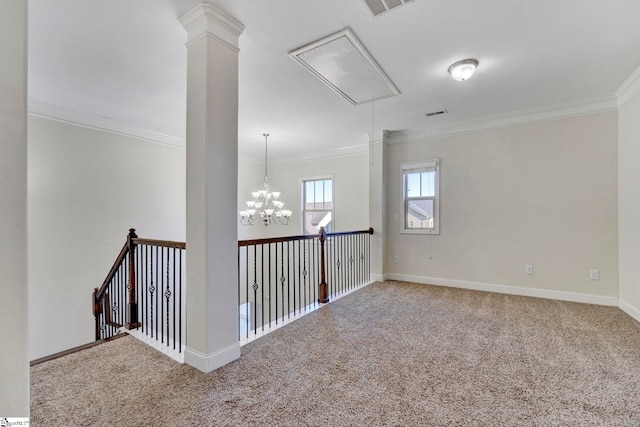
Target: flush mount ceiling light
<point x="462" y="70"/>
<point x="341" y="62"/>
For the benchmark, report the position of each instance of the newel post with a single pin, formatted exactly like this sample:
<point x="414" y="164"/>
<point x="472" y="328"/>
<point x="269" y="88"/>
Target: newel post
<point x="323" y="293"/>
<point x="97" y="311"/>
<point x="132" y="306"/>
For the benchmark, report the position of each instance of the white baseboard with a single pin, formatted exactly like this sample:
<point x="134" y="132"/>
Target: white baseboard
<point x="629" y="309"/>
<point x="270" y="327"/>
<point x="210" y="362"/>
<point x="246" y="338"/>
<point x="511" y="290"/>
<point x="159" y="344"/>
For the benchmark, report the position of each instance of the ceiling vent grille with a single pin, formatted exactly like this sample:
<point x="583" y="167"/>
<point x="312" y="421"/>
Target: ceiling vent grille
<point x="436" y="113"/>
<point x="378" y="7"/>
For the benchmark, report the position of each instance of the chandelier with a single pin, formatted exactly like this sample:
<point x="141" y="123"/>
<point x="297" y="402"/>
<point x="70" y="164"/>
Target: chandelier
<point x="265" y="205"/>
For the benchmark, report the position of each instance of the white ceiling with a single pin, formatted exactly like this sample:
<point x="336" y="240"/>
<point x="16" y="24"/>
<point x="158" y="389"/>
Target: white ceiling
<point x="125" y="61"/>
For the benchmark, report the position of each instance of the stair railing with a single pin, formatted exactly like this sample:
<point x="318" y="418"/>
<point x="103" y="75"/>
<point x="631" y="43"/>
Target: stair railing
<point x="284" y="277"/>
<point x="278" y="279"/>
<point x="143" y="293"/>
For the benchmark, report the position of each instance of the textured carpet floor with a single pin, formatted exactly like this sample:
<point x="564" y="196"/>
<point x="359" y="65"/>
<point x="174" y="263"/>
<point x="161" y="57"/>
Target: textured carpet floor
<point x="391" y="354"/>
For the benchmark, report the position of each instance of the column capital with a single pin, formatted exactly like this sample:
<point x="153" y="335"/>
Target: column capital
<point x="379" y="135"/>
<point x="205" y="20"/>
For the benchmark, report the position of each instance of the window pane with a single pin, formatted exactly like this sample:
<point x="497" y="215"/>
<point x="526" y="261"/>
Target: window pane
<point x="309" y="194"/>
<point x="319" y="199"/>
<point x="428" y="184"/>
<point x="413" y="184"/>
<point x="318" y="205"/>
<point x="313" y="220"/>
<point x="328" y="193"/>
<point x="421" y="194"/>
<point x="420" y="212"/>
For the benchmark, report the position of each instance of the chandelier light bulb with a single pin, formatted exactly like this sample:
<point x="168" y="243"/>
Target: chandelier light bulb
<point x="462" y="70"/>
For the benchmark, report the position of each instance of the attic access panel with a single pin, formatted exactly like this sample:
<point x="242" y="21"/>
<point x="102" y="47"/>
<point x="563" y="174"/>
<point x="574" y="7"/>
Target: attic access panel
<point x="341" y="62"/>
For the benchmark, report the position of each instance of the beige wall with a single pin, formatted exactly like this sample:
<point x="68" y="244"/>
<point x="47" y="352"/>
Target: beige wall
<point x="351" y="191"/>
<point x="81" y="205"/>
<point x="629" y="205"/>
<point x="86" y="189"/>
<point x="542" y="194"/>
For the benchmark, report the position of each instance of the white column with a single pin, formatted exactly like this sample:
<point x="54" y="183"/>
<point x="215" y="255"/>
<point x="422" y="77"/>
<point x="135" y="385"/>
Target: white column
<point x="212" y="173"/>
<point x="377" y="203"/>
<point x="14" y="357"/>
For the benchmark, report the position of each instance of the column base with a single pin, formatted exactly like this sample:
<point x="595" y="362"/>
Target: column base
<point x="212" y="361"/>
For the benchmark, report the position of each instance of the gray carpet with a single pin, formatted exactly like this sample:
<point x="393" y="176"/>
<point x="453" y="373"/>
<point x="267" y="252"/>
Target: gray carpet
<point x="391" y="354"/>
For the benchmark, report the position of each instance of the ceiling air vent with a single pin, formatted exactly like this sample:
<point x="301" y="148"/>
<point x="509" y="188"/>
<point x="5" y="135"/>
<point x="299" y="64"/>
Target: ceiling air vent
<point x="436" y="113"/>
<point x="378" y="7"/>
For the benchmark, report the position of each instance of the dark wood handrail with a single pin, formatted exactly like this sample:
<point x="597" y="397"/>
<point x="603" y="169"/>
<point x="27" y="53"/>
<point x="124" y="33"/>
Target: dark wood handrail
<point x="277" y="240"/>
<point x="125" y="275"/>
<point x="300" y="237"/>
<point x="348" y="233"/>
<point x="322" y="238"/>
<point x="183" y="245"/>
<point x="163" y="243"/>
<point x="123" y="252"/>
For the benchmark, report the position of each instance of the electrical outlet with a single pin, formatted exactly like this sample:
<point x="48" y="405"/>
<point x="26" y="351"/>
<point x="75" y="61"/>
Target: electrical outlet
<point x="528" y="269"/>
<point x="594" y="274"/>
<point x="396" y="259"/>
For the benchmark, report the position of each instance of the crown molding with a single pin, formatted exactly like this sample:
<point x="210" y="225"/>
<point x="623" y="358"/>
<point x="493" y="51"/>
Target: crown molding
<point x="317" y="155"/>
<point x="552" y="112"/>
<point x="250" y="158"/>
<point x="589" y="106"/>
<point x="628" y="88"/>
<point x="65" y="115"/>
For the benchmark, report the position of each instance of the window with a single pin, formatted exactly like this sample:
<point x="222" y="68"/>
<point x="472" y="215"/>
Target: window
<point x="421" y="182"/>
<point x="317" y="209"/>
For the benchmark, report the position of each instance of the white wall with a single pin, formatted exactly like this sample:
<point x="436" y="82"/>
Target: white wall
<point x="351" y="192"/>
<point x="629" y="205"/>
<point x="14" y="367"/>
<point x="542" y="194"/>
<point x="86" y="189"/>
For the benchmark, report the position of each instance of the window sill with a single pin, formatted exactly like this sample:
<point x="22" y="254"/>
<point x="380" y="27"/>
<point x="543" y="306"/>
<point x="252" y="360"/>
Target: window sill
<point x="405" y="231"/>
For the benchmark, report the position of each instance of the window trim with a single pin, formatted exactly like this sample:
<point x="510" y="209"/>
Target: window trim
<point x="302" y="200"/>
<point x="414" y="166"/>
